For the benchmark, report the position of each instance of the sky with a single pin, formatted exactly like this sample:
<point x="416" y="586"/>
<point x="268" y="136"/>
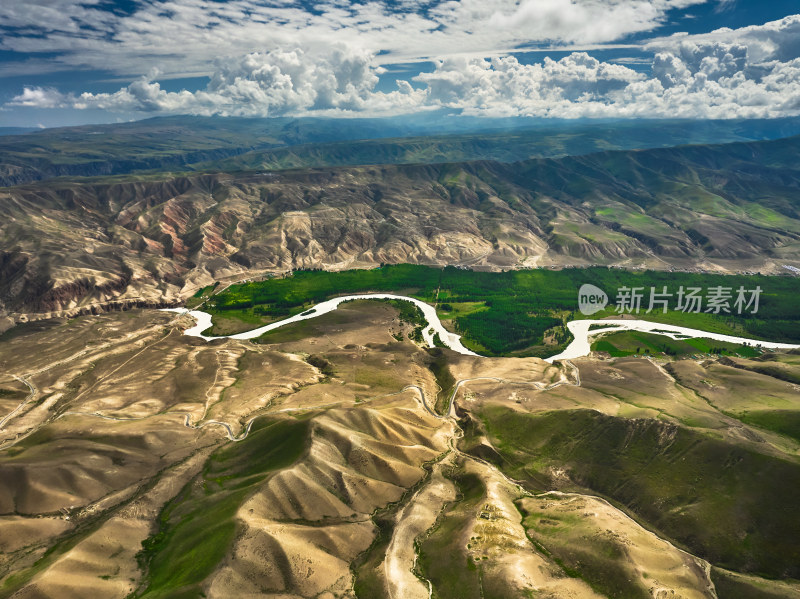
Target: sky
<point x="68" y="62"/>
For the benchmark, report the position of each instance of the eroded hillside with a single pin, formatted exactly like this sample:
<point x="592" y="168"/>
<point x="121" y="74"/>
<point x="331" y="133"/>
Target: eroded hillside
<point x="146" y="463"/>
<point x="76" y="245"/>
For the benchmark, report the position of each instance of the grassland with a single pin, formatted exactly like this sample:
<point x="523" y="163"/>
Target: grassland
<point x="784" y="422"/>
<point x="341" y="457"/>
<point x="334" y="440"/>
<point x="441" y="558"/>
<point x="197" y="528"/>
<point x="731" y="585"/>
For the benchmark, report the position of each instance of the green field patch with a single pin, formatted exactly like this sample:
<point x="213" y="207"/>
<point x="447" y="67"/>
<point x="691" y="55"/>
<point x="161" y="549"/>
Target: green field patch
<point x="629" y="343"/>
<point x="448" y="310"/>
<point x="607" y="346"/>
<point x="201" y="295"/>
<point x="783" y="422"/>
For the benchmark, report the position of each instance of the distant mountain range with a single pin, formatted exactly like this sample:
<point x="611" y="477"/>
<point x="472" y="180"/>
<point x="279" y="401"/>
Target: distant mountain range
<point x="154" y="238"/>
<point x="225" y="144"/>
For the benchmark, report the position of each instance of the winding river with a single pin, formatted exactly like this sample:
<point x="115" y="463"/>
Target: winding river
<point x="579" y="347"/>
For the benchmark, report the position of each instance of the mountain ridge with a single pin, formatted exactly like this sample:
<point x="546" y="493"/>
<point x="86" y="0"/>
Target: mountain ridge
<point x="156" y="239"/>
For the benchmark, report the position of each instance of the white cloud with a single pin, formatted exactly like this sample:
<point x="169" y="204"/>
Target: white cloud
<point x="586" y="22"/>
<point x="40" y="97"/>
<point x="753" y="72"/>
<point x="696" y="80"/>
<point x="776" y="40"/>
<point x="304" y="68"/>
<point x="180" y="36"/>
<point x="258" y="84"/>
<point x="503" y="86"/>
<point x="55" y="15"/>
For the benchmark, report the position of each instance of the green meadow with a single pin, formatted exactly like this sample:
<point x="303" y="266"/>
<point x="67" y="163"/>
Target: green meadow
<point x="739" y="517"/>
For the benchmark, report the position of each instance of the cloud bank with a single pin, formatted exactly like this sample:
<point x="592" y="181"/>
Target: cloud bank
<point x="752" y="72"/>
<point x="274" y="83"/>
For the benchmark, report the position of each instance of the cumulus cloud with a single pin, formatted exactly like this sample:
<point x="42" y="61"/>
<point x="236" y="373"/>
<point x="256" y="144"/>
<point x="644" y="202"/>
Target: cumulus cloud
<point x="695" y="80"/>
<point x="41" y="97"/>
<point x="714" y="61"/>
<point x="503" y="86"/>
<point x="751" y="72"/>
<point x="777" y="40"/>
<point x="258" y="84"/>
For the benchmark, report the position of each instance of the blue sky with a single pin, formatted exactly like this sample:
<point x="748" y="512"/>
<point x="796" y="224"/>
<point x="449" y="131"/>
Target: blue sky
<point x="64" y="62"/>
